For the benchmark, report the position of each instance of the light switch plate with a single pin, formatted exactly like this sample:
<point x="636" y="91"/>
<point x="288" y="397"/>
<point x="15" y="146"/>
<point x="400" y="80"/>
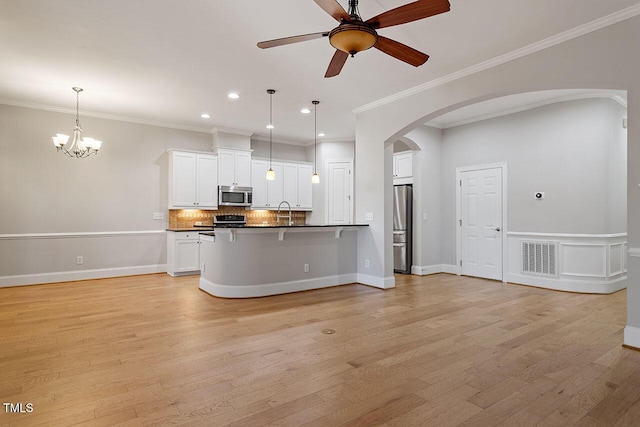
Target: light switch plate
<point x="158" y="215"/>
<point x="369" y="216"/>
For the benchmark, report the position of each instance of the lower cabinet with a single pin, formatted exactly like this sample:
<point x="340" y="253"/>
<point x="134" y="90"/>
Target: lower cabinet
<point x="183" y="253"/>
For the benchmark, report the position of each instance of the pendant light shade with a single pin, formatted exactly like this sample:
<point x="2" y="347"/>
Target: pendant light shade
<point x="315" y="179"/>
<point x="271" y="175"/>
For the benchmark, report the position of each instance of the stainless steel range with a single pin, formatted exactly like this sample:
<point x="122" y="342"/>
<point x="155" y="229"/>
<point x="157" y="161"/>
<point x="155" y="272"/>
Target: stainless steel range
<point x="229" y="221"/>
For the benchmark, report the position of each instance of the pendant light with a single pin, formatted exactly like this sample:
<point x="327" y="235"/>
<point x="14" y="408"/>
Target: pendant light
<point x="80" y="147"/>
<point x="315" y="179"/>
<point x="271" y="175"/>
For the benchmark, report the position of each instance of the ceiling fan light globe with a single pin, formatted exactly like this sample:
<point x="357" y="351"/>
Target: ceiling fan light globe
<point x="352" y="38"/>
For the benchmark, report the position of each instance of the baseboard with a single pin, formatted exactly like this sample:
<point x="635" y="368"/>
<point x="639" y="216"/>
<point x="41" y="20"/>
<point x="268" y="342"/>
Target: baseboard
<point x="250" y="291"/>
<point x="69" y="276"/>
<point x="632" y="336"/>
<point x="377" y="282"/>
<point x="582" y="286"/>
<point x="424" y="270"/>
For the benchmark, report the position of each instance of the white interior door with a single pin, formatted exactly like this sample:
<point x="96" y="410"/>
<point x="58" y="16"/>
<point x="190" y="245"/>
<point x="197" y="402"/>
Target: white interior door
<point x="339" y="199"/>
<point x="481" y="228"/>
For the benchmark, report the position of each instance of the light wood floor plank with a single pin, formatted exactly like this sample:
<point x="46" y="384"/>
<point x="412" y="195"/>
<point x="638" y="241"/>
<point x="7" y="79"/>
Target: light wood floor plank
<point x="437" y="350"/>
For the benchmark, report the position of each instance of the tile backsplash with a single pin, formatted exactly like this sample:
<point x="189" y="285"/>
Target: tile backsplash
<point x="184" y="218"/>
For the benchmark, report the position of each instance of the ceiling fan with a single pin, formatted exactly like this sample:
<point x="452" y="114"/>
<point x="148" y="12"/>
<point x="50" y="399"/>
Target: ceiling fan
<point x="354" y="35"/>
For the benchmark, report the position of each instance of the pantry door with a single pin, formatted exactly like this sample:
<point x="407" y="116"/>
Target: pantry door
<point x="481" y="223"/>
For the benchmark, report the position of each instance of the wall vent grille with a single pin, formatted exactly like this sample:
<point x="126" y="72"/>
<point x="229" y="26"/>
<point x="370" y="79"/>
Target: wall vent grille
<point x="539" y="258"/>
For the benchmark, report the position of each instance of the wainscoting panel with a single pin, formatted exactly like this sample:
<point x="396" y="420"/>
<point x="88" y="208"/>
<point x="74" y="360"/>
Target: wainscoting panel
<point x="584" y="260"/>
<point x="589" y="263"/>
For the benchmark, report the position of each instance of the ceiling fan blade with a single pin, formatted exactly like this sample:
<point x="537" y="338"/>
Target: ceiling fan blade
<point x="333" y="8"/>
<point x="336" y="64"/>
<point x="292" y="39"/>
<point x="409" y="12"/>
<point x="401" y="51"/>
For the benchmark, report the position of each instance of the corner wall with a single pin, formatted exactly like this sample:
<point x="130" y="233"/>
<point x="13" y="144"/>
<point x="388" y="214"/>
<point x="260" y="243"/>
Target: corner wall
<point x="568" y="65"/>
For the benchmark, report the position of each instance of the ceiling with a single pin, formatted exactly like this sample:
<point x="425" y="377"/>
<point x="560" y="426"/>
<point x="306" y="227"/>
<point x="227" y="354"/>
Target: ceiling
<point x="167" y="61"/>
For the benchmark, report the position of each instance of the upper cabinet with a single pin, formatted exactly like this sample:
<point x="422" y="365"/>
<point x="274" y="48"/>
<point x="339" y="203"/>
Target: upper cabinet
<point x="403" y="167"/>
<point x="267" y="194"/>
<point x="298" y="189"/>
<point x="292" y="184"/>
<point x="234" y="167"/>
<point x="193" y="180"/>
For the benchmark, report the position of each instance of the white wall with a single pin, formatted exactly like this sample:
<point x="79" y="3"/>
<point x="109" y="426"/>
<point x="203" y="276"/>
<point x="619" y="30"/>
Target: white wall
<point x="326" y="150"/>
<point x="117" y="190"/>
<point x="566" y="65"/>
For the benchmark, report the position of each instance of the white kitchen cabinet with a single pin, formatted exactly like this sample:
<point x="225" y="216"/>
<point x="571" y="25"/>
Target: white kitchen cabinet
<point x="183" y="253"/>
<point x="403" y="167"/>
<point x="266" y="194"/>
<point x="234" y="167"/>
<point x="193" y="180"/>
<point x="298" y="189"/>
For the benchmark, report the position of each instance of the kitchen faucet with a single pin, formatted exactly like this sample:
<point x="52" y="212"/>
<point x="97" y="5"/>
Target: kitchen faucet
<point x="284" y="216"/>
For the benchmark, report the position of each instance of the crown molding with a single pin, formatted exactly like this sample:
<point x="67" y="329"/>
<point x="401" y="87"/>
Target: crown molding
<point x="529" y="106"/>
<point x="573" y="33"/>
<point x="231" y="130"/>
<point x="44" y="107"/>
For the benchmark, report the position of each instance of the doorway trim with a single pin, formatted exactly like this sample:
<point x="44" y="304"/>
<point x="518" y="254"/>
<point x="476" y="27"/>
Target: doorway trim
<point x="459" y="171"/>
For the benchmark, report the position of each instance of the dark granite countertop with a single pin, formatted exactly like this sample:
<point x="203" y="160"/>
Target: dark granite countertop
<point x="199" y="228"/>
<point x="254" y="226"/>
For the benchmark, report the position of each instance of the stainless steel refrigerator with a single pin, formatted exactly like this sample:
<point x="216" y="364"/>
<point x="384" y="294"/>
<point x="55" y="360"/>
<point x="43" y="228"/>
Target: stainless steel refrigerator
<point x="402" y="228"/>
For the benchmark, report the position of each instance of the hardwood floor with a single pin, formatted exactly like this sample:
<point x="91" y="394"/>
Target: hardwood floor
<point x="438" y="350"/>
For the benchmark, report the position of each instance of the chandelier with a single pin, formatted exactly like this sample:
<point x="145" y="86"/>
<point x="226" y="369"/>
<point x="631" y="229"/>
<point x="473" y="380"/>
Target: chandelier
<point x="80" y="147"/>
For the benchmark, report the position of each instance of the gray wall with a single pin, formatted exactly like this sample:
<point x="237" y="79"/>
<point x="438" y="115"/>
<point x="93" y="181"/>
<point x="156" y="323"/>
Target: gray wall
<point x="574" y="151"/>
<point x="42" y="191"/>
<point x="427" y="173"/>
<point x="279" y="151"/>
<point x="565" y="65"/>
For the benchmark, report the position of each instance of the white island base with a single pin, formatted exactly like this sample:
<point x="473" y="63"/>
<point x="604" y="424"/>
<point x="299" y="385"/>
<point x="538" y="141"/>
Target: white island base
<point x="261" y="261"/>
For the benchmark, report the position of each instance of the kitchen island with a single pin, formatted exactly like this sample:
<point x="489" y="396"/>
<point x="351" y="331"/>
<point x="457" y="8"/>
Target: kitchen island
<point x="256" y="261"/>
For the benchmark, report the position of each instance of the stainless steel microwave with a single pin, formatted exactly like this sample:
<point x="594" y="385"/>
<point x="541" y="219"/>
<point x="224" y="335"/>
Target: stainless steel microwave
<point x="234" y="195"/>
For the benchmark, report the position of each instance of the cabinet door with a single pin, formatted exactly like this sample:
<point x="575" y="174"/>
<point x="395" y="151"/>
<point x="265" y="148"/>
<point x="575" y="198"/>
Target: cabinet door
<point x="187" y="255"/>
<point x="207" y="181"/>
<point x="403" y="165"/>
<point x="242" y="163"/>
<point x="259" y="183"/>
<point x="305" y="187"/>
<point x="184" y="179"/>
<point x="274" y="188"/>
<point x="226" y="168"/>
<point x="290" y="176"/>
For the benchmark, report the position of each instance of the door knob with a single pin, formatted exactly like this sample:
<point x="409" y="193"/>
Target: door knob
<point x="497" y="229"/>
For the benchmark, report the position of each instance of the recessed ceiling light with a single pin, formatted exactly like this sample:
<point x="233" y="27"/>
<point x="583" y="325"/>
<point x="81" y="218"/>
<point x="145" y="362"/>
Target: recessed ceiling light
<point x="305" y="111"/>
<point x="233" y="95"/>
<point x="321" y="134"/>
<point x="205" y="116"/>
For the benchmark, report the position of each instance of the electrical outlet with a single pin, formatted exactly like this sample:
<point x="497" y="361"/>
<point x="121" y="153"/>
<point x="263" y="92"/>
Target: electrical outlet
<point x="369" y="216"/>
<point x="79" y="260"/>
<point x="306" y="268"/>
<point x="158" y="215"/>
<point x="424" y="216"/>
<point x="367" y="263"/>
<point x="202" y="267"/>
<point x="198" y="222"/>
